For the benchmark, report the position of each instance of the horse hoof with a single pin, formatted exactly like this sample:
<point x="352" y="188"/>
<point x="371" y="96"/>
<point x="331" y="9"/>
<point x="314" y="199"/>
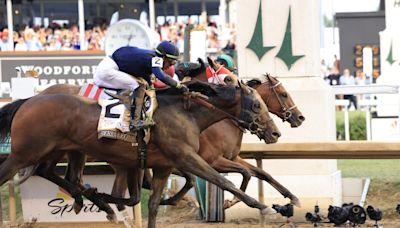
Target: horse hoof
<point x="268" y="211"/>
<point x="296" y="202"/>
<point x="168" y="202"/>
<point x="227" y="204"/>
<point x="112" y="218"/>
<point x="77" y="207"/>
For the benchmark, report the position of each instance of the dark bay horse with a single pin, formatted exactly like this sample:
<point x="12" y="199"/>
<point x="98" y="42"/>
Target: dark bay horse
<point x="219" y="144"/>
<point x="44" y="126"/>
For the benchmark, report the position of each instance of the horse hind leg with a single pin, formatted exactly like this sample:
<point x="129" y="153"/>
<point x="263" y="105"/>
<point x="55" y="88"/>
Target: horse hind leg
<point x="74" y="174"/>
<point x="160" y="177"/>
<point x="189" y="178"/>
<point x="9" y="168"/>
<point x="46" y="171"/>
<point x="224" y="165"/>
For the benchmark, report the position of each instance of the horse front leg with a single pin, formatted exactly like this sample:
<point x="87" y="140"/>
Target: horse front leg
<point x="192" y="162"/>
<point x="160" y="177"/>
<point x="224" y="165"/>
<point x="262" y="175"/>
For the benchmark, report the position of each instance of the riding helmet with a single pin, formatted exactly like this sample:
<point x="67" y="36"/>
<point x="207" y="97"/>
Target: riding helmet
<point x="167" y="49"/>
<point x="227" y="61"/>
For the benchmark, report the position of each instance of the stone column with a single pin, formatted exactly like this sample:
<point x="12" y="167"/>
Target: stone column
<point x="283" y="39"/>
<point x="390" y="59"/>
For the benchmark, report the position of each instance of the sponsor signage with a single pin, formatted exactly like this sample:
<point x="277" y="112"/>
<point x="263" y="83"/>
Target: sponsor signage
<point x="53" y="69"/>
<point x="50" y="203"/>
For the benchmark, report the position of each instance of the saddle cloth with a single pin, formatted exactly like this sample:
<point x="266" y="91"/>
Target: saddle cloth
<point x="114" y="117"/>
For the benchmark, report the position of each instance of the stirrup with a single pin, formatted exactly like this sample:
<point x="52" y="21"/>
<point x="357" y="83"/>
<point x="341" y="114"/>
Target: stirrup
<point x="141" y="124"/>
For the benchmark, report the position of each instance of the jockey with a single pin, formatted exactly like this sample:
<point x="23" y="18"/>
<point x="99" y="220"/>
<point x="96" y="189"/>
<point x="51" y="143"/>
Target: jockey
<point x="227" y="62"/>
<point x="119" y="70"/>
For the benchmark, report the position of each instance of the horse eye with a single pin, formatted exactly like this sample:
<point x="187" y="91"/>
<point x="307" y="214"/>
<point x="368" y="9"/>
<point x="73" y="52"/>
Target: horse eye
<point x="284" y="95"/>
<point x="256" y="107"/>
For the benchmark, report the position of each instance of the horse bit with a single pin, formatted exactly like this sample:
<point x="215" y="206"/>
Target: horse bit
<point x="287" y="112"/>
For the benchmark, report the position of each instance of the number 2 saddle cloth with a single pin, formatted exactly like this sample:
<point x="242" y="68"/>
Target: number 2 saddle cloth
<point x="114" y="117"/>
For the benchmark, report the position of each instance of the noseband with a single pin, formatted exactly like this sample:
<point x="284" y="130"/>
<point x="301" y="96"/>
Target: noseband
<point x="245" y="120"/>
<point x="286" y="112"/>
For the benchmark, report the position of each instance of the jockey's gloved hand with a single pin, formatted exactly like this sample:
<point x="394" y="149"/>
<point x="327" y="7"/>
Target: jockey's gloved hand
<point x="182" y="87"/>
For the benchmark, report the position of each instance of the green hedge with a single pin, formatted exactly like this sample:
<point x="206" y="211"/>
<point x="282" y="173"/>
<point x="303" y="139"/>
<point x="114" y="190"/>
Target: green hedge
<point x="357" y="125"/>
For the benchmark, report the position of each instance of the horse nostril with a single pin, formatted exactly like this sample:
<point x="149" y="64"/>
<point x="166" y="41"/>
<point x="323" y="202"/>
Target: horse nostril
<point x="276" y="134"/>
<point x="302" y="118"/>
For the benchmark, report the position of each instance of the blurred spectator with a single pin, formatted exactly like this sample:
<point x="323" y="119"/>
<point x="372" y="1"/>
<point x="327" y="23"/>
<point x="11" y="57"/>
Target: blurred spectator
<point x="324" y="69"/>
<point x="333" y="77"/>
<point x="360" y="80"/>
<point x="174" y="37"/>
<point x="336" y="63"/>
<point x="212" y="40"/>
<point x="32" y="40"/>
<point x="348" y="79"/>
<point x="21" y="45"/>
<point x="4" y="43"/>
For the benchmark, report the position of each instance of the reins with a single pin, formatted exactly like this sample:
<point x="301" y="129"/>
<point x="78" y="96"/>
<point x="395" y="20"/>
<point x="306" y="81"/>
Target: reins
<point x="201" y="99"/>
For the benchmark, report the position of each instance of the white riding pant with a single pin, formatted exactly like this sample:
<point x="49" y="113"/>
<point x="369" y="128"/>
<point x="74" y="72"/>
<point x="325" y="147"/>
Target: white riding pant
<point x="108" y="75"/>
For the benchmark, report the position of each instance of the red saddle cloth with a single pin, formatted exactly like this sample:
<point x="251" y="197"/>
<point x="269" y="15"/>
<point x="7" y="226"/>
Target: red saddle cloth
<point x="94" y="92"/>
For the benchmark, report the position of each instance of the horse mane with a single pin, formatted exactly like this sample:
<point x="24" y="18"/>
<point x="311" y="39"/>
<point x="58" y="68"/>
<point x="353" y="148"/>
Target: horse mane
<point x="254" y="82"/>
<point x="208" y="89"/>
<point x="190" y="69"/>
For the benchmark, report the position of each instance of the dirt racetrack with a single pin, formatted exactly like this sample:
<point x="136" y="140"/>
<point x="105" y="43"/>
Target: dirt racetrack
<point x="194" y="224"/>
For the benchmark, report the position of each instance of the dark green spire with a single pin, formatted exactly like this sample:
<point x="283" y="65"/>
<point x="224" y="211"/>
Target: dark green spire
<point x="256" y="43"/>
<point x="286" y="51"/>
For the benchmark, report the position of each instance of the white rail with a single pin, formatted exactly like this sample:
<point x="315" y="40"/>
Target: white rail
<point x="363" y="89"/>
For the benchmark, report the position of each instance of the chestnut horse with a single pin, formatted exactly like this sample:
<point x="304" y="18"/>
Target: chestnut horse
<point x="224" y="157"/>
<point x="43" y="127"/>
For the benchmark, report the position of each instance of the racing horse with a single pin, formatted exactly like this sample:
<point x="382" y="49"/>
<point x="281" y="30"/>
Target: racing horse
<point x="43" y="127"/>
<point x="224" y="157"/>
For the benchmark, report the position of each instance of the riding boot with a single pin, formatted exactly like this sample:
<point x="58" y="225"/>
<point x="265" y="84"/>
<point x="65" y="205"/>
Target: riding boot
<point x="136" y="111"/>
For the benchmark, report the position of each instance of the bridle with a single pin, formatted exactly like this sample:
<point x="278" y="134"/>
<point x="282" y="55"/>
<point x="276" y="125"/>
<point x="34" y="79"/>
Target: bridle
<point x="253" y="126"/>
<point x="286" y="112"/>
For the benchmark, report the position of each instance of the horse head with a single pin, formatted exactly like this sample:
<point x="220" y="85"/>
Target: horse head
<point x="244" y="104"/>
<point x="192" y="70"/>
<point x="278" y="100"/>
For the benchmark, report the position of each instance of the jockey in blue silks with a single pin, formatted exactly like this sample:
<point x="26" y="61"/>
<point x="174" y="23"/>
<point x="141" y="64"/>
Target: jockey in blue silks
<point x="116" y="72"/>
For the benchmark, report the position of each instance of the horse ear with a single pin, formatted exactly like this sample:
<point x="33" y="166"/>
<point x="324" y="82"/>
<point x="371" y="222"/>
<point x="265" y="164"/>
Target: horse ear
<point x="267" y="76"/>
<point x="211" y="62"/>
<point x="202" y="64"/>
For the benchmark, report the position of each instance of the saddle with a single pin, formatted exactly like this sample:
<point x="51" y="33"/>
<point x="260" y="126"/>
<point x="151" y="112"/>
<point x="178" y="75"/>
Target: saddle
<point x="115" y="114"/>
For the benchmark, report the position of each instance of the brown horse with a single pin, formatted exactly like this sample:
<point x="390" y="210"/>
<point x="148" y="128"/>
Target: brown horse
<point x="222" y="156"/>
<point x="70" y="123"/>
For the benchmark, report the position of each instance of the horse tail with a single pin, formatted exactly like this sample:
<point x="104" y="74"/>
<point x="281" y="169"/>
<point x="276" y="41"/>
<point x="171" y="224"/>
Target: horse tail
<point x="7" y="113"/>
<point x="27" y="172"/>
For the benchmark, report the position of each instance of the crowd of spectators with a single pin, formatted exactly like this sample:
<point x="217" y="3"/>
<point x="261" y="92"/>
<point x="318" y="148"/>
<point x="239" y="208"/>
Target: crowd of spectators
<point x="331" y="73"/>
<point x="53" y="38"/>
<point x="64" y="38"/>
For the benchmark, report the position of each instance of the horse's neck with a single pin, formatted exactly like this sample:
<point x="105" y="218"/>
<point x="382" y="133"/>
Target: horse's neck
<point x="202" y="116"/>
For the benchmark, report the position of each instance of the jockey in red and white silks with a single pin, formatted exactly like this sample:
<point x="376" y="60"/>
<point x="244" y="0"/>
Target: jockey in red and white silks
<point x="218" y="76"/>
